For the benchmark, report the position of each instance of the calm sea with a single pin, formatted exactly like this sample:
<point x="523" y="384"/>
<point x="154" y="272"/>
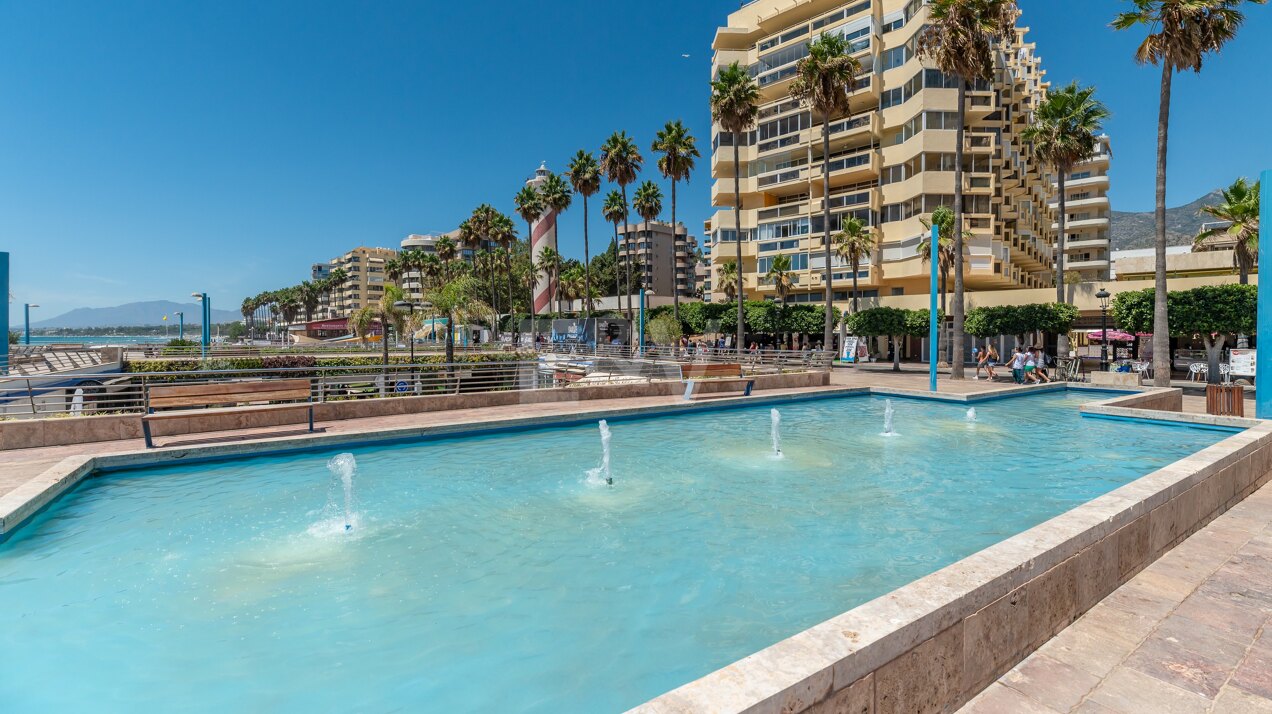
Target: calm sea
<point x="96" y="339"/>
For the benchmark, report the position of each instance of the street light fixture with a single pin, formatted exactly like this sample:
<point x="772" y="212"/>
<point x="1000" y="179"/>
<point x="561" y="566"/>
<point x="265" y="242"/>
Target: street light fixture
<point x="180" y="325"/>
<point x="26" y="332"/>
<point x="205" y="331"/>
<point x="1103" y="297"/>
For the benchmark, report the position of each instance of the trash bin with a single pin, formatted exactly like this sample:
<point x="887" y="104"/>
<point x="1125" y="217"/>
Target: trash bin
<point x="1225" y="400"/>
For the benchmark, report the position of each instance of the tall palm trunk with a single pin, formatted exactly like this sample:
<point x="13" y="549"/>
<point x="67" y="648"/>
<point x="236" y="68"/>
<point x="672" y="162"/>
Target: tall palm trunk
<point x="1062" y="341"/>
<point x="737" y="235"/>
<point x="534" y="314"/>
<point x="587" y="266"/>
<point x="627" y="254"/>
<point x="618" y="276"/>
<point x="450" y="343"/>
<point x="956" y="360"/>
<point x="856" y="266"/>
<point x="516" y="326"/>
<point x="1060" y="241"/>
<point x="1161" y="331"/>
<point x="828" y="330"/>
<point x="675" y="256"/>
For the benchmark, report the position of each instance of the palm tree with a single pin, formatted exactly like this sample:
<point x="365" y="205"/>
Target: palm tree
<point x="648" y="204"/>
<point x="550" y="265"/>
<point x="308" y="293"/>
<point x="247" y="309"/>
<point x="383" y="312"/>
<point x="530" y="207"/>
<point x="943" y="219"/>
<point x="735" y="104"/>
<point x="1065" y="132"/>
<point x="1181" y="34"/>
<point x="727" y="279"/>
<point x="620" y="162"/>
<point x="504" y="234"/>
<point x="679" y="149"/>
<point x="822" y="82"/>
<point x="557" y="196"/>
<point x="615" y="211"/>
<point x="585" y="177"/>
<point x="458" y="300"/>
<point x="1240" y="209"/>
<point x="447" y="252"/>
<point x="780" y="275"/>
<point x="430" y="270"/>
<point x="853" y="243"/>
<point x="962" y="38"/>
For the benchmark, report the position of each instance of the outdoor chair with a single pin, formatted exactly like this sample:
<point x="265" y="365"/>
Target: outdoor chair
<point x="1197" y="372"/>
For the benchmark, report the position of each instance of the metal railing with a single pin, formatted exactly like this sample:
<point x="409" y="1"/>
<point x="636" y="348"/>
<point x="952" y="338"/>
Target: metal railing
<point x="757" y="361"/>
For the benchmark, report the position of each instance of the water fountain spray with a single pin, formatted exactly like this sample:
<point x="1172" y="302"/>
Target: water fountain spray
<point x="776" y="431"/>
<point x="345" y="466"/>
<point x="605" y="453"/>
<point x="887" y="418"/>
<point x="971" y="414"/>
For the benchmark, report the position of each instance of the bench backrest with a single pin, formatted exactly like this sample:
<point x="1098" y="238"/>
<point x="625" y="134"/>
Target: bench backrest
<point x="221" y="393"/>
<point x="696" y="371"/>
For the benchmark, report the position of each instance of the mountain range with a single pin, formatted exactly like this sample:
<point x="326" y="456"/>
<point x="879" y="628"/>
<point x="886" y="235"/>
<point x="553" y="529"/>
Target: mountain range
<point x="1129" y="230"/>
<point x="135" y="314"/>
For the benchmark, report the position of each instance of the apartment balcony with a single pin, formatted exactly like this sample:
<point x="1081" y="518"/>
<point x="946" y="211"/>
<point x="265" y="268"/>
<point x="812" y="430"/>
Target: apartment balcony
<point x="1095" y="264"/>
<point x="722" y="191"/>
<point x="976" y="143"/>
<point x="1091" y="181"/>
<point x="979" y="183"/>
<point x="1086" y="244"/>
<point x="1084" y="224"/>
<point x="1093" y="202"/>
<point x="981" y="104"/>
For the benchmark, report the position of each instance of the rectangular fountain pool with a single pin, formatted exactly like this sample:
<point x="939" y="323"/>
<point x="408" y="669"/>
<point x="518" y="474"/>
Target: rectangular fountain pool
<point x="496" y="573"/>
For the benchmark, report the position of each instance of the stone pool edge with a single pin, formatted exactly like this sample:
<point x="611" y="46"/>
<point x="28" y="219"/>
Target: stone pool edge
<point x="933" y="644"/>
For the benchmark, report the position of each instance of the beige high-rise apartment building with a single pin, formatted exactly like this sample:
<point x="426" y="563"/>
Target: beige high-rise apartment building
<point x="892" y="157"/>
<point x="366" y="279"/>
<point x="1086" y="188"/>
<point x="651" y="245"/>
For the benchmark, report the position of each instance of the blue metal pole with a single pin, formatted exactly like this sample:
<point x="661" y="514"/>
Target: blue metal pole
<point x="4" y="313"/>
<point x="933" y="329"/>
<point x="642" y="321"/>
<point x="1263" y="355"/>
<point x="26" y="323"/>
<point x="207" y="316"/>
<point x="181" y="326"/>
<point x="203" y="326"/>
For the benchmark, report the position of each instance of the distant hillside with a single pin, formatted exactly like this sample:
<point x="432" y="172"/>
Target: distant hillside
<point x="1135" y="230"/>
<point x="135" y="314"/>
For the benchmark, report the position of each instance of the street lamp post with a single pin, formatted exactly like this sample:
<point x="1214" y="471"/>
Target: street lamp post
<point x="181" y="326"/>
<point x="26" y="323"/>
<point x="1103" y="297"/>
<point x="643" y="297"/>
<point x="205" y="331"/>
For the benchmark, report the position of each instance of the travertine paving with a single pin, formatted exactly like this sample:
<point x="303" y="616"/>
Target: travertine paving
<point x="1191" y="633"/>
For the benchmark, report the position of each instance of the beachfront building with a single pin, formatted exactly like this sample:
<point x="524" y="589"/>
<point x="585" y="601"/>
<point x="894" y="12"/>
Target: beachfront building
<point x="412" y="280"/>
<point x="650" y="245"/>
<point x="891" y="157"/>
<point x="1087" y="249"/>
<point x="366" y="280"/>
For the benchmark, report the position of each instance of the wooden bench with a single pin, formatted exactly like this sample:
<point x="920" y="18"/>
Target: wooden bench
<point x="187" y="401"/>
<point x="717" y="373"/>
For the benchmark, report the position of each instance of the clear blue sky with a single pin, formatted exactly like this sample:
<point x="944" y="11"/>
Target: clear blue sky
<point x="148" y="149"/>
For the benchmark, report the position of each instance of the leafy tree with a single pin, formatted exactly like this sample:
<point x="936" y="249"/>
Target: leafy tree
<point x="1212" y="311"/>
<point x="882" y="322"/>
<point x="459" y="300"/>
<point x="735" y="105"/>
<point x="823" y="80"/>
<point x="963" y="38"/>
<point x="1181" y="34"/>
<point x="382" y="311"/>
<point x="1019" y="320"/>
<point x="664" y="330"/>
<point x="1240" y="209"/>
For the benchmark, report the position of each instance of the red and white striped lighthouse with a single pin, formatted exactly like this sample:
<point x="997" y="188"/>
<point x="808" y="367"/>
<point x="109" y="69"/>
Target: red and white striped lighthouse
<point x="543" y="234"/>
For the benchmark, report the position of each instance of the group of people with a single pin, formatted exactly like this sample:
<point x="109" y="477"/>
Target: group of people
<point x="1028" y="365"/>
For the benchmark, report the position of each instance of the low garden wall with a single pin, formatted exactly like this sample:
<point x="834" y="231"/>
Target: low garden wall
<point x="29" y="433"/>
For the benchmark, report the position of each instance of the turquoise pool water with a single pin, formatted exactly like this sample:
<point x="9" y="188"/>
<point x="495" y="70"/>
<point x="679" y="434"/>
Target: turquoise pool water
<point x="487" y="573"/>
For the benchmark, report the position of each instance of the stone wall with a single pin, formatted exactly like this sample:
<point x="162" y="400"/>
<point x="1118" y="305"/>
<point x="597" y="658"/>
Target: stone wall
<point x="29" y="433"/>
<point x="934" y="644"/>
